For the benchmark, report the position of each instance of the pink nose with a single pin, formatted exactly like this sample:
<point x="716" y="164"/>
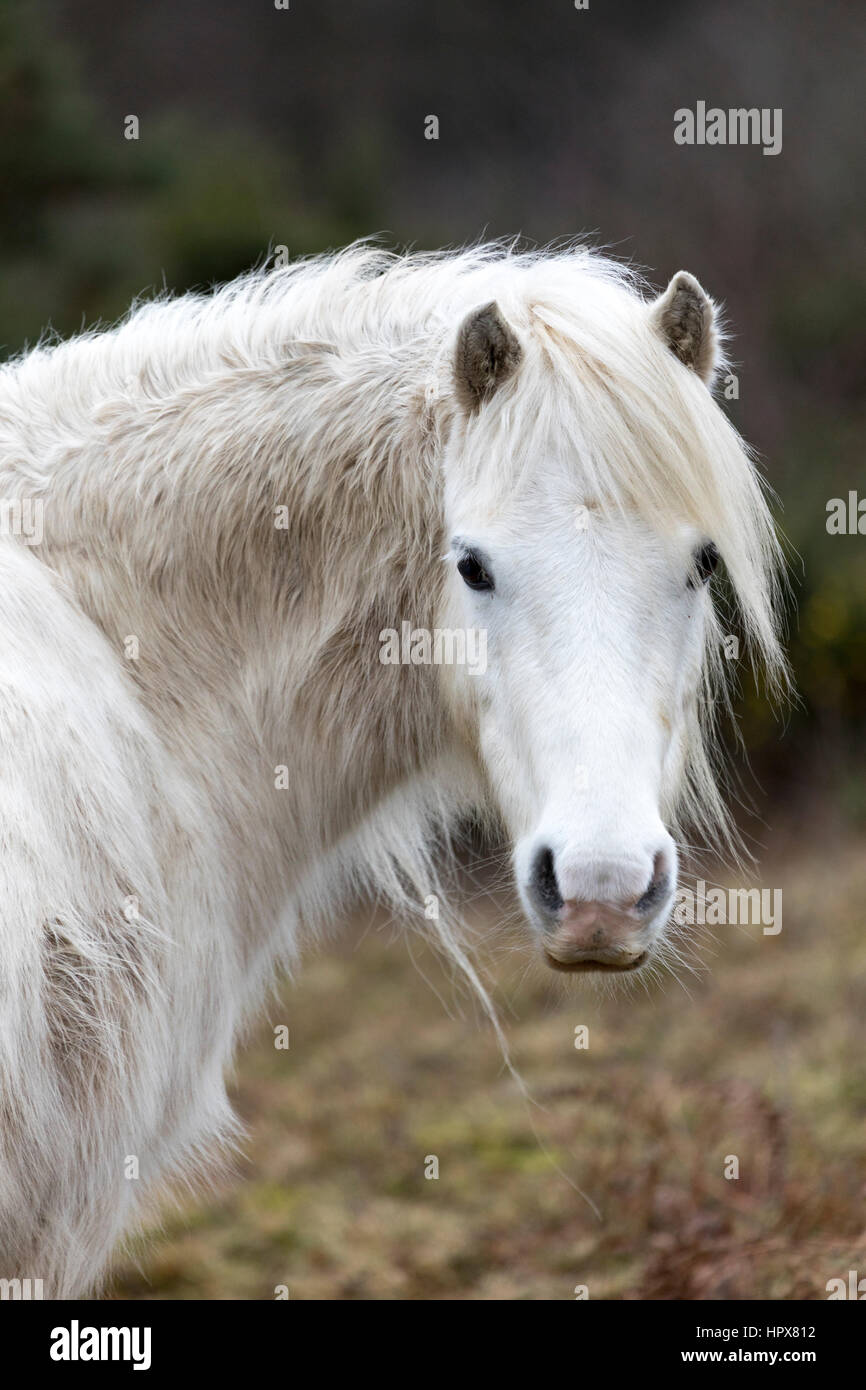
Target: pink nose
<point x="604" y="933"/>
<point x="596" y="936"/>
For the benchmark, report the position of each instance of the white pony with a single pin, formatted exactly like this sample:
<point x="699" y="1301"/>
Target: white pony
<point x="205" y="757"/>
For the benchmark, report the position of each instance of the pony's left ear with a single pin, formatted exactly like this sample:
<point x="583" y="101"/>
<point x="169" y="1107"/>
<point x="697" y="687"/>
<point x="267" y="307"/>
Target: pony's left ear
<point x="487" y="353"/>
<point x="685" y="316"/>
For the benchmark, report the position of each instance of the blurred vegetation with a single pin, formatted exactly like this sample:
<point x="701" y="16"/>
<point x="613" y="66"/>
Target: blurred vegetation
<point x="89" y="219"/>
<point x="331" y="1200"/>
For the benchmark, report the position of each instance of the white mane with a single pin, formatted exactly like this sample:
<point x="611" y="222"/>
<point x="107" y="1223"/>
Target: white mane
<point x="162" y="450"/>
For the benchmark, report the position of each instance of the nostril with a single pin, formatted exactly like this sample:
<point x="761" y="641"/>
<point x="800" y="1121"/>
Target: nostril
<point x="543" y="880"/>
<point x="659" y="885"/>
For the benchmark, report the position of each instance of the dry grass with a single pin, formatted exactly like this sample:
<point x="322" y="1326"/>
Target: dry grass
<point x="762" y="1058"/>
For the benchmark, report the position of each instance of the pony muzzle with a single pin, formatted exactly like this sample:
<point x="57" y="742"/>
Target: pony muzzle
<point x="596" y="936"/>
<point x="611" y="923"/>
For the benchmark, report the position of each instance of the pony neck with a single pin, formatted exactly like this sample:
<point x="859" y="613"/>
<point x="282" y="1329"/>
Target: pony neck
<point x="242" y="555"/>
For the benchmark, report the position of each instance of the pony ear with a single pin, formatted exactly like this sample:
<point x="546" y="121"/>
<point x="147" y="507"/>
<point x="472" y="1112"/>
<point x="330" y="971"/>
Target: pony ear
<point x="685" y="316"/>
<point x="487" y="353"/>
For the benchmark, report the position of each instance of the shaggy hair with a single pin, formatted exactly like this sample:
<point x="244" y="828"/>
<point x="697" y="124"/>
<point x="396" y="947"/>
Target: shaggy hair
<point x="240" y="491"/>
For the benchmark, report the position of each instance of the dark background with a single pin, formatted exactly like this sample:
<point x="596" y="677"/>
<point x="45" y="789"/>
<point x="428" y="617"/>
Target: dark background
<point x="305" y="128"/>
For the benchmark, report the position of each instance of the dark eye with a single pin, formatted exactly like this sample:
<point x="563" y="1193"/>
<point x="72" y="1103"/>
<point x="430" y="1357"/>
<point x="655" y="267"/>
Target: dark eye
<point x="473" y="573"/>
<point x="705" y="559"/>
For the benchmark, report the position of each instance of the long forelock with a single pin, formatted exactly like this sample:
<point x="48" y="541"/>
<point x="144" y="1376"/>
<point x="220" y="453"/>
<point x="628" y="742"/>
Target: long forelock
<point x="598" y="386"/>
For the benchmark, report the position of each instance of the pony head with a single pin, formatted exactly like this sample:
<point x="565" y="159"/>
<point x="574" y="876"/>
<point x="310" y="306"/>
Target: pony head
<point x="592" y="486"/>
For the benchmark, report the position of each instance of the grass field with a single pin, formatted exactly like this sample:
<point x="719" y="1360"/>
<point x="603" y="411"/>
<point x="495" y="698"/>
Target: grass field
<point x="763" y="1058"/>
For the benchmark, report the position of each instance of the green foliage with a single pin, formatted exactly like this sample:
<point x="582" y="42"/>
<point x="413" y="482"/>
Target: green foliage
<point x="91" y="219"/>
<point x="818" y="338"/>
